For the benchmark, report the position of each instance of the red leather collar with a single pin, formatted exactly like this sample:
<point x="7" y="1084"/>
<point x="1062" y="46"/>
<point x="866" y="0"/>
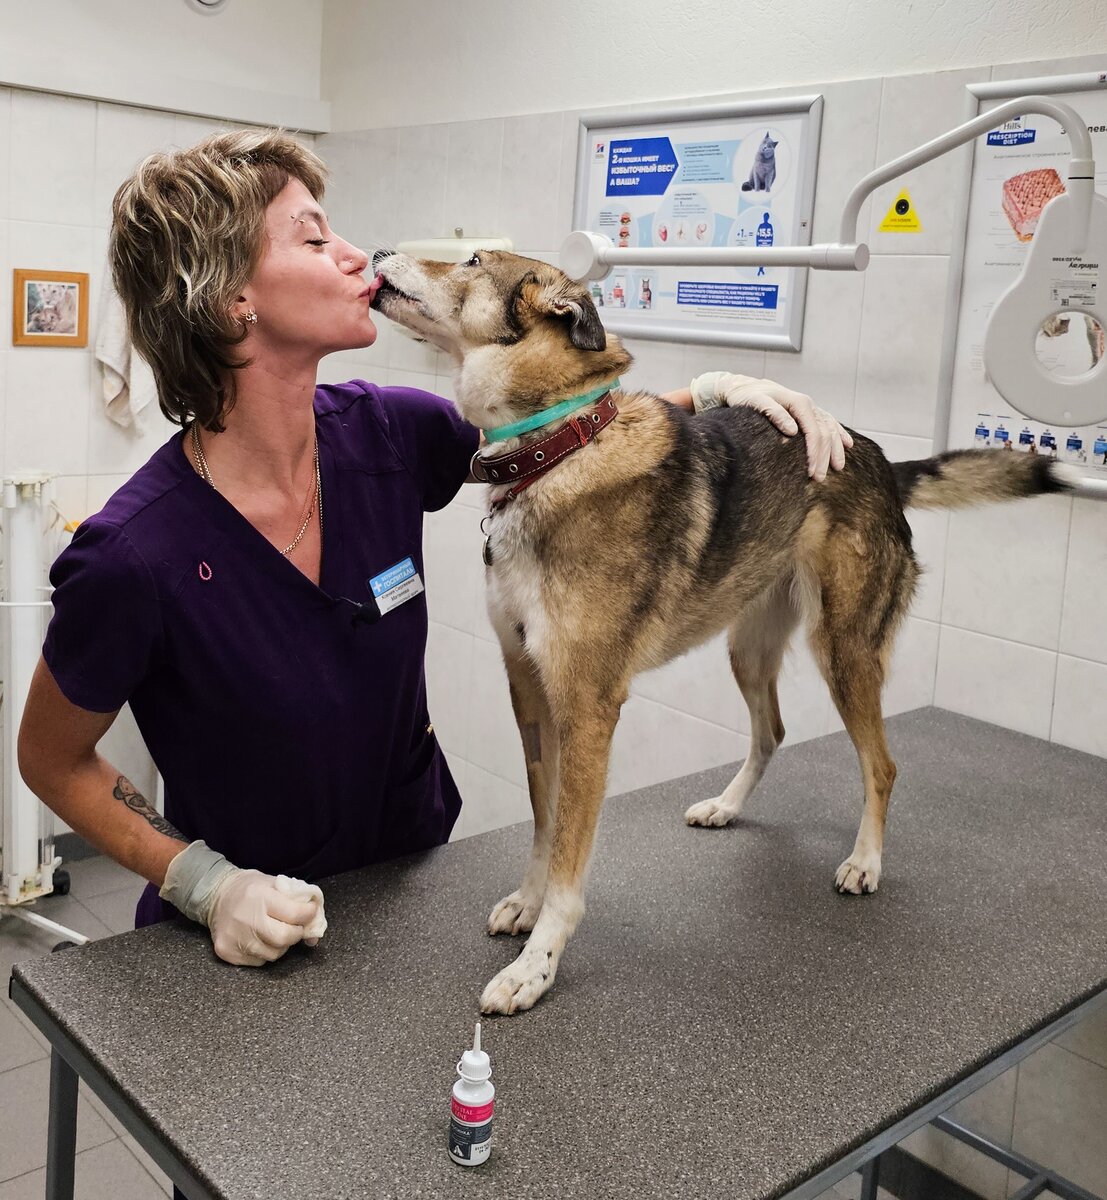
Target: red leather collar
<point x="523" y="467"/>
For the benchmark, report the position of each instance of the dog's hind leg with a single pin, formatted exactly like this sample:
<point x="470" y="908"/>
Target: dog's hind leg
<point x="585" y="728"/>
<point x="864" y="600"/>
<point x="518" y="912"/>
<point x="856" y="688"/>
<point x="756" y="643"/>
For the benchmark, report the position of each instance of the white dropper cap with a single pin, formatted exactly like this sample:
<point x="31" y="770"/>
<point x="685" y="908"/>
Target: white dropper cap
<point x="475" y="1066"/>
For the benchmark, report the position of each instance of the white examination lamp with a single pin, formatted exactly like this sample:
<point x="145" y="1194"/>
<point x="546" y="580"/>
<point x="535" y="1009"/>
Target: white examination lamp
<point x="1067" y="259"/>
<point x="1065" y="270"/>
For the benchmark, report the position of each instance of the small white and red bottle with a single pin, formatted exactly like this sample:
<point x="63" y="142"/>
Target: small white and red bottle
<point x="471" y="1106"/>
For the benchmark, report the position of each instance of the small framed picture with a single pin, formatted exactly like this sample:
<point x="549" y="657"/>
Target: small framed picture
<point x="50" y="308"/>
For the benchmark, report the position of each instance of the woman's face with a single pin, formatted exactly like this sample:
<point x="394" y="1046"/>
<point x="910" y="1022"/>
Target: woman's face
<point x="307" y="289"/>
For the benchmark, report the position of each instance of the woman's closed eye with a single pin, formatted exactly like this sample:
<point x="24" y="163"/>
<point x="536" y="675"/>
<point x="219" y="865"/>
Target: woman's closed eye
<point x="318" y="241"/>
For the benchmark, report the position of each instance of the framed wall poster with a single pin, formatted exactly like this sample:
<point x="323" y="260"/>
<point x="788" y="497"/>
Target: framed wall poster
<point x="1016" y="169"/>
<point x="729" y="174"/>
<point x="49" y="308"/>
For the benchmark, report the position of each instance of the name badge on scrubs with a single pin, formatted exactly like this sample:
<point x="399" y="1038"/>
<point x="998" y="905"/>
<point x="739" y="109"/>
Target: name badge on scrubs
<point x="392" y="587"/>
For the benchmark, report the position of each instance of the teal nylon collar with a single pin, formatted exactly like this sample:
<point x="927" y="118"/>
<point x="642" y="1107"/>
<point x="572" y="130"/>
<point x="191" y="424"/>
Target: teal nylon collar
<point x="548" y="415"/>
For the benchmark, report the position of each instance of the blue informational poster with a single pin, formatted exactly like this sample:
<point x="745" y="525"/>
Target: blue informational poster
<point x="731" y="175"/>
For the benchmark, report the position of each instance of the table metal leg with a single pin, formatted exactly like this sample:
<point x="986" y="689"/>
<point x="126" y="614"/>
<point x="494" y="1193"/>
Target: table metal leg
<point x="870" y="1178"/>
<point x="61" y="1137"/>
<point x="1040" y="1178"/>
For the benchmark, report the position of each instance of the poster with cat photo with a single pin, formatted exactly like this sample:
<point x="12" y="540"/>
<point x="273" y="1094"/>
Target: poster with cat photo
<point x="738" y="174"/>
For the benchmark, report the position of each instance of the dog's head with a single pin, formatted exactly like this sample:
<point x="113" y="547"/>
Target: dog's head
<point x="523" y="334"/>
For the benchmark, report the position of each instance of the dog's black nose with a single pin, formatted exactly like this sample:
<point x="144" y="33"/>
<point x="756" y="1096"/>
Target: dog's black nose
<point x="380" y="255"/>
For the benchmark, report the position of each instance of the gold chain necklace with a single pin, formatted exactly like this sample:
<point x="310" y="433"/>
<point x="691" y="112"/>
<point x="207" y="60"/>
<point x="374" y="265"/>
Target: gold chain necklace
<point x="315" y="501"/>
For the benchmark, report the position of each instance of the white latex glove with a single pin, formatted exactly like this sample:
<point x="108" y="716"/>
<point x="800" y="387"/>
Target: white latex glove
<point x="827" y="441"/>
<point x="253" y="917"/>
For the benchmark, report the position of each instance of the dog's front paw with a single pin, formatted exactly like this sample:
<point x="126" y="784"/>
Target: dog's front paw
<point x="516" y="913"/>
<point x="518" y="986"/>
<point x="859" y="874"/>
<point x="710" y="813"/>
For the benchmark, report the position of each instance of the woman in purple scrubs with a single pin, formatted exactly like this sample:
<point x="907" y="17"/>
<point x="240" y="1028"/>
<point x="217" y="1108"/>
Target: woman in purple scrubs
<point x="226" y="591"/>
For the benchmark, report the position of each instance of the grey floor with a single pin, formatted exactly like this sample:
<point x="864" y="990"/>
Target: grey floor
<point x="1052" y="1107"/>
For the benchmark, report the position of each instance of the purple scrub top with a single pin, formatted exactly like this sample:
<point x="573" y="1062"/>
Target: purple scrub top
<point x="290" y="737"/>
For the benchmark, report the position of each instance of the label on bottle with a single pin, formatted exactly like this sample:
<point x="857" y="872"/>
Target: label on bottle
<point x="470" y="1131"/>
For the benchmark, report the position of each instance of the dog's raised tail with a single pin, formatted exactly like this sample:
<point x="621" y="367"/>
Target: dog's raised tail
<point x="965" y="478"/>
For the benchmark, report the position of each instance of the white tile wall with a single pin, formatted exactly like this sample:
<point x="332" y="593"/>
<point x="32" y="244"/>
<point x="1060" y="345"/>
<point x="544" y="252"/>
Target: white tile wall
<point x="124" y="137"/>
<point x="1005" y="569"/>
<point x="491" y="802"/>
<point x="913" y="110"/>
<point x="52" y="158"/>
<point x="52" y="247"/>
<point x="826" y="366"/>
<point x="47" y="410"/>
<point x="847" y="152"/>
<point x="901" y="344"/>
<point x="995" y="680"/>
<point x="910" y="682"/>
<point x="420" y="192"/>
<point x="685" y="744"/>
<point x="473" y="173"/>
<point x="450" y="685"/>
<point x="452" y="543"/>
<point x="493" y="738"/>
<point x="528" y="201"/>
<point x="805" y="705"/>
<point x="5" y="143"/>
<point x="1083" y="624"/>
<point x="566" y="177"/>
<point x="701" y="684"/>
<point x="360" y="200"/>
<point x="1079" y="705"/>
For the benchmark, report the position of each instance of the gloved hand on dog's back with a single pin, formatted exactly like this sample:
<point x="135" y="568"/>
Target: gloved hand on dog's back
<point x="253" y="917"/>
<point x="791" y="412"/>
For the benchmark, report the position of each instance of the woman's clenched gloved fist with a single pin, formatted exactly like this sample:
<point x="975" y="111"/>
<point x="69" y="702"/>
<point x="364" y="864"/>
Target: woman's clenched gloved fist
<point x="253" y="917"/>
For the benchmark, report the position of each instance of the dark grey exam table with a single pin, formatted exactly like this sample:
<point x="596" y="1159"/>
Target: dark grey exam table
<point x="723" y="1023"/>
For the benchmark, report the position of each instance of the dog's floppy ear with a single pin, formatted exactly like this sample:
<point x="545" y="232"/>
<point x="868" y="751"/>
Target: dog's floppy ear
<point x="561" y="297"/>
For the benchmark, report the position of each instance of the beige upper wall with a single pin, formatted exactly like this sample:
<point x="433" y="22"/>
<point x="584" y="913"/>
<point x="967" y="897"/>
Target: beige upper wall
<point x="356" y="64"/>
<point x="427" y="61"/>
<point x="256" y="60"/>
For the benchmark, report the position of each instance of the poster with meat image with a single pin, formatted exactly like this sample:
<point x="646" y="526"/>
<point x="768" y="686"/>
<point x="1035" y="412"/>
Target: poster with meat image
<point x="1018" y="168"/>
<point x="1026" y="195"/>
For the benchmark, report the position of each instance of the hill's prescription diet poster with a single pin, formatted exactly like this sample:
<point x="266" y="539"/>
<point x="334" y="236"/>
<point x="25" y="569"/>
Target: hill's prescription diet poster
<point x="734" y="175"/>
<point x="1017" y="169"/>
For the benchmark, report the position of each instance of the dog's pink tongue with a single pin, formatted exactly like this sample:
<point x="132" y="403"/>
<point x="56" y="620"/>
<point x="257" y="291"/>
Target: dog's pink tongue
<point x="375" y="286"/>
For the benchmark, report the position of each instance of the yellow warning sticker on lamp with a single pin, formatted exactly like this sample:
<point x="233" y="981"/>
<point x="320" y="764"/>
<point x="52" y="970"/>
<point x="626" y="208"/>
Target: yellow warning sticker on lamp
<point x="901" y="217"/>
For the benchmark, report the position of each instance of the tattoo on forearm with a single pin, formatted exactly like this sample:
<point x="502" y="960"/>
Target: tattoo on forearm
<point x="126" y="791"/>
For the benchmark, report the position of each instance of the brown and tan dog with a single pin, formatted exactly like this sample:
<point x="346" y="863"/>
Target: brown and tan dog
<point x="661" y="530"/>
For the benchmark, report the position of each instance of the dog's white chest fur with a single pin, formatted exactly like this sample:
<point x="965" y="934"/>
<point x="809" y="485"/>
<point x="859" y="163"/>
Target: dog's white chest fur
<point x="514" y="584"/>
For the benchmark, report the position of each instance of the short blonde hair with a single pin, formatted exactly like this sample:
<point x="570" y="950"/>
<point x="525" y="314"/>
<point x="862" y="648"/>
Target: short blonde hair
<point x="188" y="229"/>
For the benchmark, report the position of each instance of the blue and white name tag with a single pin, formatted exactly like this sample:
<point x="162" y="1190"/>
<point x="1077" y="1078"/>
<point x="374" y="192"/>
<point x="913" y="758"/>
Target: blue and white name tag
<point x="392" y="587"/>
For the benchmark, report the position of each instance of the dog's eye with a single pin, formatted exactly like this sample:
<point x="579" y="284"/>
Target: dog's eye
<point x="474" y="261"/>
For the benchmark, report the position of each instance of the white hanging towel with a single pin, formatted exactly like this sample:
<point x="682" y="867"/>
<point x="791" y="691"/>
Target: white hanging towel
<point x="128" y="382"/>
